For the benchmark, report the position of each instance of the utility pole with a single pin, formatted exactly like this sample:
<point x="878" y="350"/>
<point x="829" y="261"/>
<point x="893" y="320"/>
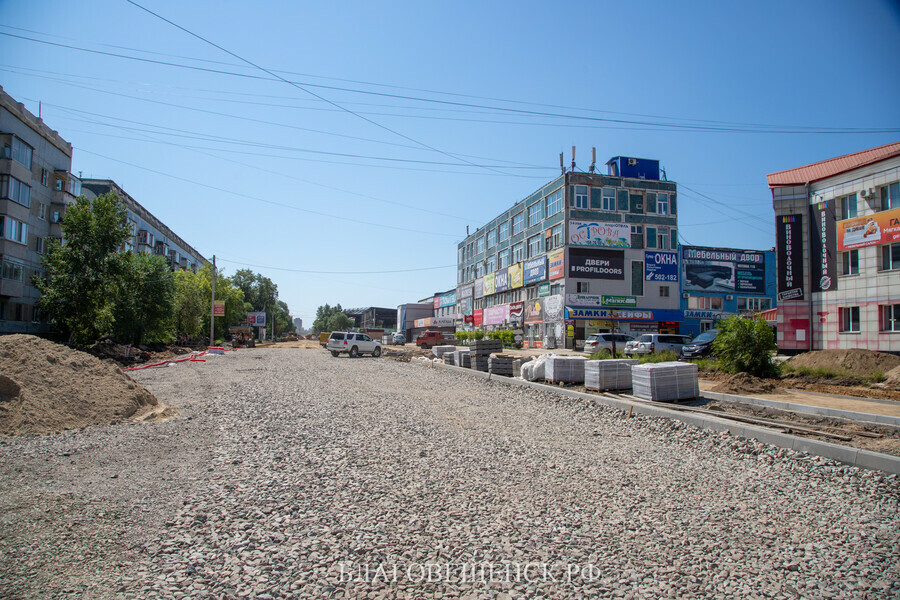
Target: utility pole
<point x="212" y="313"/>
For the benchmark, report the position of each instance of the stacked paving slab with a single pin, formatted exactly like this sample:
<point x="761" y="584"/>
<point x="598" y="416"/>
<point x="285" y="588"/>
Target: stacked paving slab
<point x="612" y="374"/>
<point x="480" y="352"/>
<point x="666" y="381"/>
<point x="440" y="351"/>
<point x="566" y="369"/>
<point x="501" y="364"/>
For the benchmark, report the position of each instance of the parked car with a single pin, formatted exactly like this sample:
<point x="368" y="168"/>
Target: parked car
<point x="398" y="339"/>
<point x="654" y="343"/>
<point x="353" y="344"/>
<point x="700" y="345"/>
<point x="599" y="342"/>
<point x="427" y="339"/>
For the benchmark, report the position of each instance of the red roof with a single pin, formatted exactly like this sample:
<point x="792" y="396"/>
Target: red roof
<point x="769" y="315"/>
<point x="833" y="166"/>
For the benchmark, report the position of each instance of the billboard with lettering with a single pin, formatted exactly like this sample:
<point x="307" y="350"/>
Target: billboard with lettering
<point x="723" y="270"/>
<point x="880" y="228"/>
<point x="557" y="264"/>
<point x="789" y="242"/>
<point x="660" y="266"/>
<point x="535" y="270"/>
<point x="594" y="233"/>
<point x="588" y="263"/>
<point x="823" y="247"/>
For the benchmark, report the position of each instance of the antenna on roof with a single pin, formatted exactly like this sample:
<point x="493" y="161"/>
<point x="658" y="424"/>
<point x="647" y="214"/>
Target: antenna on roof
<point x="593" y="159"/>
<point x="561" y="167"/>
<point x="573" y="158"/>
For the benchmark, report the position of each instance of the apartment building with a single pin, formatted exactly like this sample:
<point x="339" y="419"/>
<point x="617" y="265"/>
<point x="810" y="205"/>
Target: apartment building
<point x="571" y="259"/>
<point x="35" y="187"/>
<point x="149" y="234"/>
<point x="838" y="244"/>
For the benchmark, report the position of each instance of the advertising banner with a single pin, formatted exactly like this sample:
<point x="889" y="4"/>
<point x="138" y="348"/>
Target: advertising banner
<point x="516" y="312"/>
<point x="584" y="300"/>
<point x="557" y="264"/>
<point x="496" y="315"/>
<point x="515" y="276"/>
<point x="448" y="299"/>
<point x="822" y="247"/>
<point x="478" y="288"/>
<point x="487" y="283"/>
<point x="881" y="228"/>
<point x="501" y="280"/>
<point x="437" y="301"/>
<point x="553" y="309"/>
<point x="464" y="291"/>
<point x="535" y="270"/>
<point x="256" y="319"/>
<point x="723" y="270"/>
<point x="533" y="311"/>
<point x="478" y="313"/>
<point x="592" y="314"/>
<point x="660" y="266"/>
<point x="218" y="308"/>
<point x="622" y="301"/>
<point x="788" y="242"/>
<point x="596" y="264"/>
<point x="592" y="233"/>
<point x="543" y="290"/>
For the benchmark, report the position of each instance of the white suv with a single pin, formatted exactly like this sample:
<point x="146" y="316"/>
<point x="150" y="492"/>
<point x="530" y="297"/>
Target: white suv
<point x="654" y="343"/>
<point x="352" y="343"/>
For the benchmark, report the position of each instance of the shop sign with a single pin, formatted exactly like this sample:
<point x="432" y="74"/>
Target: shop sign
<point x="496" y="315"/>
<point x="256" y="319"/>
<point x="478" y="288"/>
<point x="218" y="308"/>
<point x="881" y="228"/>
<point x="533" y="311"/>
<point x="535" y="270"/>
<point x="557" y="264"/>
<point x="584" y="300"/>
<point x="479" y="317"/>
<point x="516" y="309"/>
<point x="596" y="264"/>
<point x="660" y="266"/>
<point x="823" y="247"/>
<point x="583" y="314"/>
<point x="788" y="241"/>
<point x="464" y="291"/>
<point x="543" y="290"/>
<point x="723" y="270"/>
<point x="626" y="301"/>
<point x="448" y="299"/>
<point x="501" y="280"/>
<point x="703" y="314"/>
<point x="515" y="276"/>
<point x="487" y="283"/>
<point x="553" y="308"/>
<point x="592" y="233"/>
<point x="469" y="319"/>
<point x="443" y="321"/>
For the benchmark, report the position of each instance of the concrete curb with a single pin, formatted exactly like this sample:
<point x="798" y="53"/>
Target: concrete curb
<point x="819" y="411"/>
<point x="852" y="456"/>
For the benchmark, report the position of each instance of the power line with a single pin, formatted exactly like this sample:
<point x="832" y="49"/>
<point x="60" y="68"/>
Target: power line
<point x="246" y="264"/>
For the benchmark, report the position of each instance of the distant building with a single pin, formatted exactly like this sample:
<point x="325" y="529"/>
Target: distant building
<point x="838" y="244"/>
<point x="372" y="317"/>
<point x="35" y="188"/>
<point x="717" y="283"/>
<point x="149" y="234"/>
<point x="298" y="324"/>
<point x="408" y="314"/>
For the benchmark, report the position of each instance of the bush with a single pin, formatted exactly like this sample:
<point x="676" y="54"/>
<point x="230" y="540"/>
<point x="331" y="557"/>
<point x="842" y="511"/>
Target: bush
<point x="477" y="335"/>
<point x="462" y="335"/>
<point x="746" y="345"/>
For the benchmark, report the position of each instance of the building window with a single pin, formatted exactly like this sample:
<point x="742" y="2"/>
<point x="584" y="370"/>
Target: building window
<point x="14" y="230"/>
<point x="13" y="189"/>
<point x="39" y="245"/>
<point x="556" y="289"/>
<point x="492" y="238"/>
<point x="19" y="152"/>
<point x="12" y="270"/>
<point x="582" y="287"/>
<point x="848" y="207"/>
<point x="503" y="258"/>
<point x="490" y="264"/>
<point x="662" y="203"/>
<point x="555" y="239"/>
<point x="651" y="237"/>
<point x="479" y="270"/>
<point x="518" y="223"/>
<point x="518" y="253"/>
<point x="705" y="302"/>
<point x="45" y="176"/>
<point x="554" y="202"/>
<point x="663" y="291"/>
<point x="535" y="214"/>
<point x="479" y="246"/>
<point x="890" y="257"/>
<point x="42" y="211"/>
<point x="534" y="246"/>
<point x="890" y="196"/>
<point x="754" y="305"/>
<point x="890" y="317"/>
<point x="658" y="237"/>
<point x="850" y="262"/>
<point x="850" y="319"/>
<point x="637" y="278"/>
<point x="35" y="314"/>
<point x="503" y="231"/>
<point x="609" y="199"/>
<point x="581" y="197"/>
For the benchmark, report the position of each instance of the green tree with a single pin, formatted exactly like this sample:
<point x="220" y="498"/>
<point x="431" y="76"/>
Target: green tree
<point x="324" y="313"/>
<point x="142" y="299"/>
<point x="339" y="322"/>
<point x="190" y="305"/>
<point x="74" y="290"/>
<point x="746" y="345"/>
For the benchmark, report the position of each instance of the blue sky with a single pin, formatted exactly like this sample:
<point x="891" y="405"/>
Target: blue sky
<point x="406" y="122"/>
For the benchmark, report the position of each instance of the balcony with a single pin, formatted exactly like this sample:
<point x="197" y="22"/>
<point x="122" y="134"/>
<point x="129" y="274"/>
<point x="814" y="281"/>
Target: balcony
<point x="67" y="188"/>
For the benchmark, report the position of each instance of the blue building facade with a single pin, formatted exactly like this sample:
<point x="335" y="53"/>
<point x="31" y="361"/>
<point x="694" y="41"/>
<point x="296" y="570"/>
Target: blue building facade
<point x="716" y="283"/>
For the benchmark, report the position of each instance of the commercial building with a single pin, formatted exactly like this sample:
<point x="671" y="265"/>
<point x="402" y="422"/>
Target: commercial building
<point x="149" y="234"/>
<point x="838" y="243"/>
<point x="585" y="253"/>
<point x="717" y="283"/>
<point x="373" y="317"/>
<point x="410" y="313"/>
<point x="35" y="188"/>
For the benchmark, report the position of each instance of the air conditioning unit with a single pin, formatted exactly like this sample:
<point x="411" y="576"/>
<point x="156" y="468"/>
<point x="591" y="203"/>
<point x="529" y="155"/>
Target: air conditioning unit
<point x="685" y="295"/>
<point x="867" y="193"/>
<point x="729" y="297"/>
<point x="632" y="162"/>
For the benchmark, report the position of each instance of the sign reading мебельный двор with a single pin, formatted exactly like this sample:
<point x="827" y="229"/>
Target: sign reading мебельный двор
<point x="723" y="270"/>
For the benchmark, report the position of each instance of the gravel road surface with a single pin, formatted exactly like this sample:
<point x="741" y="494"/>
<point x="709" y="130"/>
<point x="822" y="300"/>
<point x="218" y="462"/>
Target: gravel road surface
<point x="290" y="473"/>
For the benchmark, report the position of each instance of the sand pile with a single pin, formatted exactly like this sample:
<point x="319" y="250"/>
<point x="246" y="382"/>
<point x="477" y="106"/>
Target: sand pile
<point x="744" y="383"/>
<point x="47" y="387"/>
<point x="892" y="378"/>
<point x="856" y="361"/>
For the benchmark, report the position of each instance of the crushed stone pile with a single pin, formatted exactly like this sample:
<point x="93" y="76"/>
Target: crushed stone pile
<point x="47" y="387"/>
<point x="745" y="383"/>
<point x="856" y="361"/>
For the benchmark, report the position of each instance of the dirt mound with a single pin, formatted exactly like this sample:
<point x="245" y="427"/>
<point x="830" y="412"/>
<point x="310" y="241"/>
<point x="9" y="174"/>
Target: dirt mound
<point x="744" y="383"/>
<point x="855" y="361"/>
<point x="47" y="387"/>
<point x="892" y="378"/>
